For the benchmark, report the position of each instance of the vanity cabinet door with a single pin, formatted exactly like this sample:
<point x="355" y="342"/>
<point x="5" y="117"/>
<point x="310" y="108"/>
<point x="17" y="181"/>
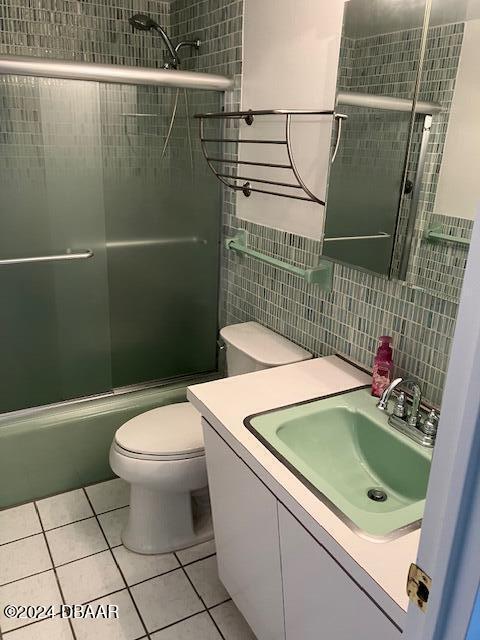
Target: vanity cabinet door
<point x="321" y="600"/>
<point x="245" y="519"/>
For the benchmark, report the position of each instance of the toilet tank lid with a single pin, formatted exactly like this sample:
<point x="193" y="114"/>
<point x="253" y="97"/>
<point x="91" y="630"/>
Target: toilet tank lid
<point x="263" y="345"/>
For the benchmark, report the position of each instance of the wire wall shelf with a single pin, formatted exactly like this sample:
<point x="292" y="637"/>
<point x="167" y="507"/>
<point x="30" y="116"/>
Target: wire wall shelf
<point x="250" y="184"/>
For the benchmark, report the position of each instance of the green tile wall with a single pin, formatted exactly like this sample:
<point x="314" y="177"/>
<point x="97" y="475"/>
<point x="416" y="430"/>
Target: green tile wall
<point x="81" y="30"/>
<point x="361" y="306"/>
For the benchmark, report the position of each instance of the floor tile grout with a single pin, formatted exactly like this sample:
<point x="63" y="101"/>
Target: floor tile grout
<point x="58" y="493"/>
<point x="30" y="575"/>
<point x="173" y="624"/>
<point x="147" y="633"/>
<point x="60" y="526"/>
<point x="182" y="566"/>
<point x="24" y="626"/>
<point x="219" y="604"/>
<point x="31" y="535"/>
<point x="201" y="600"/>
<point x="188" y="564"/>
<point x="54" y="570"/>
<point x="96" y="553"/>
<point x="136" y="584"/>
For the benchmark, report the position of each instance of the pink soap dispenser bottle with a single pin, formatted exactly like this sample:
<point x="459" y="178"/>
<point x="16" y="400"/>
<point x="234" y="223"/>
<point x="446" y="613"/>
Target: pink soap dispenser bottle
<point x="382" y="366"/>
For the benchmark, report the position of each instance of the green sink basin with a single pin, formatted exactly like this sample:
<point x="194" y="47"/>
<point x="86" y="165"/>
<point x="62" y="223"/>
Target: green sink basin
<point x="373" y="477"/>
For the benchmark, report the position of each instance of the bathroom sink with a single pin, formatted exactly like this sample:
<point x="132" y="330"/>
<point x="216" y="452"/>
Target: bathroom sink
<point x="373" y="477"/>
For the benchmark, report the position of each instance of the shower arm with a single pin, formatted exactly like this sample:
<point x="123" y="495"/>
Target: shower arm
<point x="193" y="44"/>
<point x="168" y="43"/>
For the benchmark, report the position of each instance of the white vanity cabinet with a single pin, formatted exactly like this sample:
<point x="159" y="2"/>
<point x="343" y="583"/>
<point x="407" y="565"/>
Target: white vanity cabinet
<point x="322" y="602"/>
<point x="284" y="582"/>
<point x="245" y="516"/>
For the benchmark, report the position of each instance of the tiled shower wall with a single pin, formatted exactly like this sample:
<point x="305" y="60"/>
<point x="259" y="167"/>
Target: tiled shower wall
<point x="96" y="31"/>
<point x="361" y="306"/>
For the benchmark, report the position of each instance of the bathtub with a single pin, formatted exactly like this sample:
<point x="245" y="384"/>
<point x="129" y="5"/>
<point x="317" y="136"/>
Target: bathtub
<point x="55" y="449"/>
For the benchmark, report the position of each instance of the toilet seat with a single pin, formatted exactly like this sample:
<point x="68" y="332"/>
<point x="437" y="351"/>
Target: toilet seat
<point x="156" y="458"/>
<point x="173" y="432"/>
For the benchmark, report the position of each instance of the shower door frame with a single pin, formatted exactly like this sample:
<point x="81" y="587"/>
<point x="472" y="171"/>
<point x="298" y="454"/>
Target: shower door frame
<point x="111" y="74"/>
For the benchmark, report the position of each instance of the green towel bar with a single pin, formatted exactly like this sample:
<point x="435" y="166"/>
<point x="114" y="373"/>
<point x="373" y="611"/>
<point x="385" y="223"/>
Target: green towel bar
<point x="322" y="275"/>
<point x="435" y="235"/>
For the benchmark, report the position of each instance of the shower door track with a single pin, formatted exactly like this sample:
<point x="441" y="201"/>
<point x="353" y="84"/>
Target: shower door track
<point x="118" y="391"/>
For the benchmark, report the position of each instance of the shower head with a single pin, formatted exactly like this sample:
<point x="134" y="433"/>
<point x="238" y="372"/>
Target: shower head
<point x="143" y="22"/>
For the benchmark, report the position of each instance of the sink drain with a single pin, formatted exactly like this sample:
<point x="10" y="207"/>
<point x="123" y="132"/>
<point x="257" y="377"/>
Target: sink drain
<point x="377" y="495"/>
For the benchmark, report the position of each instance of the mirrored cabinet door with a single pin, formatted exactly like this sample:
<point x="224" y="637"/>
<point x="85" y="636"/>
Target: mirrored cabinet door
<point x="435" y="227"/>
<point x="379" y="61"/>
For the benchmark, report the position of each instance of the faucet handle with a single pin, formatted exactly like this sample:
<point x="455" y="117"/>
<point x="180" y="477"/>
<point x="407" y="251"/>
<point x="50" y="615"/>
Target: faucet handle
<point x="430" y="425"/>
<point x="400" y="409"/>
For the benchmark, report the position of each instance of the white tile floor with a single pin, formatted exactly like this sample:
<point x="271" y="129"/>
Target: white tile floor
<point x="67" y="550"/>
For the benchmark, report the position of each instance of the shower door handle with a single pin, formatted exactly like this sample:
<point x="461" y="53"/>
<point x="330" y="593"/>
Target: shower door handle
<point x="74" y="255"/>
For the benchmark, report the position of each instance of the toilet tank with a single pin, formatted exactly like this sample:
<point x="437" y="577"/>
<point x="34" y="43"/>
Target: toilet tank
<point x="252" y="347"/>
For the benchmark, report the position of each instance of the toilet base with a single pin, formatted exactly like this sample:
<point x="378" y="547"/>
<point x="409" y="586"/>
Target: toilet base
<point x="164" y="522"/>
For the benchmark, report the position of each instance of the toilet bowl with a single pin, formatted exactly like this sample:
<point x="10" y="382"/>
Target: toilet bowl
<point x="161" y="453"/>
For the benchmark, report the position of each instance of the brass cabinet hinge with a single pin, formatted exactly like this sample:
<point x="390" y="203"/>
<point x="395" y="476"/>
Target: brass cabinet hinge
<point x="418" y="586"/>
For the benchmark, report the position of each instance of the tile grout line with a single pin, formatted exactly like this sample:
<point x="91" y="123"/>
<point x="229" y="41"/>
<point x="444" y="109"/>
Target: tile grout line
<point x="54" y="569"/>
<point x="57" y="493"/>
<point x="188" y="564"/>
<point x="136" y="584"/>
<point x="60" y="526"/>
<point x="173" y="624"/>
<point x="97" y="553"/>
<point x="201" y="600"/>
<point x="30" y="535"/>
<point x="31" y="575"/>
<point x="109" y="549"/>
<point x="147" y="633"/>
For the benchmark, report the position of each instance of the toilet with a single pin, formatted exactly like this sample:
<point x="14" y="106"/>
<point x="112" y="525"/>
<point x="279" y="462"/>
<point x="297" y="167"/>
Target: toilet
<point x="161" y="454"/>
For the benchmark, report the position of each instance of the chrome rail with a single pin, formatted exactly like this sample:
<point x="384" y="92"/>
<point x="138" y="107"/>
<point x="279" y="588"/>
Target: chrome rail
<point x="388" y="103"/>
<point x="112" y="73"/>
<point x="74" y="255"/>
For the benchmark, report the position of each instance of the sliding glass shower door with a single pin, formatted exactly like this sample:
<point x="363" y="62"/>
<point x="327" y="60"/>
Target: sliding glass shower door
<point x="162" y="226"/>
<point x="121" y="237"/>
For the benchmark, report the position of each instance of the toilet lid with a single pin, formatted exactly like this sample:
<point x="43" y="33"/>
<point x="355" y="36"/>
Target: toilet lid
<point x="173" y="430"/>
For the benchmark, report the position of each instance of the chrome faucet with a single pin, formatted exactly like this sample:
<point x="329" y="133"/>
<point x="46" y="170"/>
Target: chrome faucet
<point x="416" y="402"/>
<point x="410" y="423"/>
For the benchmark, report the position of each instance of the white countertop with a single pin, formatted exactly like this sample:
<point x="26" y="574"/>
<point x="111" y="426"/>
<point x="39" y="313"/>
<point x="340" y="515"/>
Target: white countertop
<point x="225" y="403"/>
